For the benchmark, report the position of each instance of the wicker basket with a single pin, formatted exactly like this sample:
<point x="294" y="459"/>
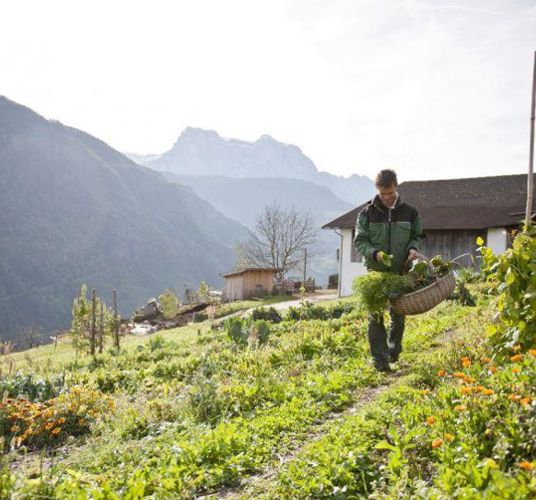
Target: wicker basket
<point x="426" y="298"/>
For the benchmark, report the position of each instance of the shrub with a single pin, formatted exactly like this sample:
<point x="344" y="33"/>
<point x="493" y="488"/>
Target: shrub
<point x="270" y="314"/>
<point x="513" y="273"/>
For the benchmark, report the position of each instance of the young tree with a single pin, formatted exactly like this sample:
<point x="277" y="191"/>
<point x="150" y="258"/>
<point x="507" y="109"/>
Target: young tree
<point x="278" y="240"/>
<point x="170" y="303"/>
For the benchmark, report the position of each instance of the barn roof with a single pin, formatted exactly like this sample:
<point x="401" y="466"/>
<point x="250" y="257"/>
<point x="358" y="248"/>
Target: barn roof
<point x="251" y="269"/>
<point x="473" y="203"/>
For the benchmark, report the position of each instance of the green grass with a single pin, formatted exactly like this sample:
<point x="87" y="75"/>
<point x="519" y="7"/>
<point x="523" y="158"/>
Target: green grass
<point x="193" y="414"/>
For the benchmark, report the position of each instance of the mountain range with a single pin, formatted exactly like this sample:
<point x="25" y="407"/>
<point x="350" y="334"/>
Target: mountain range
<point x="74" y="210"/>
<point x="204" y="152"/>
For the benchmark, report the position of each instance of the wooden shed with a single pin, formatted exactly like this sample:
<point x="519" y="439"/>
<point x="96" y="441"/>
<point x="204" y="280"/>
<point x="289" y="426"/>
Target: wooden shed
<point x="249" y="282"/>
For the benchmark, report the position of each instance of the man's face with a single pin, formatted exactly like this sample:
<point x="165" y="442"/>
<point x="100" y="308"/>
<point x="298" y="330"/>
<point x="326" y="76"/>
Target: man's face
<point x="387" y="195"/>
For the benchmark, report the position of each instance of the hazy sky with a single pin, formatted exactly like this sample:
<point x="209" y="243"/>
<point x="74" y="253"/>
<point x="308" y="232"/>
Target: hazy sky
<point x="434" y="89"/>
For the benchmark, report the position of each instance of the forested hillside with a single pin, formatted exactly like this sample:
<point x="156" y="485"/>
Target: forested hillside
<point x="74" y="210"/>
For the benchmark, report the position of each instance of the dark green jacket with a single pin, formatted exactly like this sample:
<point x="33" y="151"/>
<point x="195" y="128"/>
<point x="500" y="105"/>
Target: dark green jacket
<point x="393" y="231"/>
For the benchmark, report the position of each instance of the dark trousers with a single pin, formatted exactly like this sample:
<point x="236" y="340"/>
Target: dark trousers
<point x="381" y="345"/>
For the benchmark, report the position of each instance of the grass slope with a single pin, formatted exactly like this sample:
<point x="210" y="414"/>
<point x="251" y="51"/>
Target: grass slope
<point x="188" y="413"/>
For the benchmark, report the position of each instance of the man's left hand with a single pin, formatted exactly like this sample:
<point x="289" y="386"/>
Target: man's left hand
<point x="412" y="255"/>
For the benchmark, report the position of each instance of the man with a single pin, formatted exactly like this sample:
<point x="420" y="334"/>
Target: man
<point x="387" y="226"/>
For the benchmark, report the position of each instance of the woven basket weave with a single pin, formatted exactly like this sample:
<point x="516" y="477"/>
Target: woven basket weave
<point x="426" y="298"/>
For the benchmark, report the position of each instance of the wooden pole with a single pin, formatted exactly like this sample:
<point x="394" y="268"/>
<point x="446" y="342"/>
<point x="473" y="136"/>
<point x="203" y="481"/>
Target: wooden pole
<point x="116" y="321"/>
<point x="101" y="328"/>
<point x="304" y="265"/>
<point x="530" y="187"/>
<point x="93" y="322"/>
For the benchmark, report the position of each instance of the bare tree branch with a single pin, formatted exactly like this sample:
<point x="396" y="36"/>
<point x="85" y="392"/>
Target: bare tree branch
<point x="278" y="240"/>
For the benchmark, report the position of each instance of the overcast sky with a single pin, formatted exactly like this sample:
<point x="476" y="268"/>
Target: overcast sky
<point x="434" y="89"/>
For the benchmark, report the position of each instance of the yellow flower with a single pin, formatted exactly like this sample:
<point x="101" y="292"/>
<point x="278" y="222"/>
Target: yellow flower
<point x="436" y="443"/>
<point x="49" y="426"/>
<point x="425" y="391"/>
<point x="516" y="348"/>
<point x="526" y="465"/>
<point x="448" y="437"/>
<point x="431" y="420"/>
<point x="460" y="408"/>
<point x="56" y="431"/>
<point x="532" y="352"/>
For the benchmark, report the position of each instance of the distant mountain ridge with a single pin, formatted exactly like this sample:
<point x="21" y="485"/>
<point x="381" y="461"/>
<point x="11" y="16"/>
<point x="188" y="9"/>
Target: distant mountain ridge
<point x="205" y="152"/>
<point x="73" y="210"/>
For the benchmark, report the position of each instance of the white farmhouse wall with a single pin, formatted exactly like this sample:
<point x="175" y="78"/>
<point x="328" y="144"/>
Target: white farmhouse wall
<point x="348" y="270"/>
<point x="497" y="240"/>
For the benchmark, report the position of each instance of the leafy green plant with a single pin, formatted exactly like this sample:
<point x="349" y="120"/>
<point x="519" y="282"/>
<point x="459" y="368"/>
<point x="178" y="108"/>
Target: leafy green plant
<point x="375" y="289"/>
<point x="270" y="314"/>
<point x="514" y="275"/>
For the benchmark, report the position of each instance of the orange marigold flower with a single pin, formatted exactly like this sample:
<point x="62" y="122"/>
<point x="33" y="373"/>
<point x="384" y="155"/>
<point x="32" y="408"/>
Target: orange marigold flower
<point x="460" y="408"/>
<point x="431" y="420"/>
<point x="514" y="397"/>
<point x="486" y="360"/>
<point x="525" y="401"/>
<point x="526" y="465"/>
<point x="516" y="357"/>
<point x="466" y="362"/>
<point x="61" y="420"/>
<point x="459" y="375"/>
<point x="468" y="380"/>
<point x="492" y="369"/>
<point x="532" y="352"/>
<point x="466" y="390"/>
<point x="49" y="426"/>
<point x="448" y="437"/>
<point x="436" y="443"/>
<point x="441" y="373"/>
<point x="56" y="431"/>
<point x="488" y="392"/>
<point x="516" y="369"/>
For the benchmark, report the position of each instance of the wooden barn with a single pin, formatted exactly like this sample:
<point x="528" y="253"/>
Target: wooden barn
<point x="249" y="282"/>
<point x="454" y="213"/>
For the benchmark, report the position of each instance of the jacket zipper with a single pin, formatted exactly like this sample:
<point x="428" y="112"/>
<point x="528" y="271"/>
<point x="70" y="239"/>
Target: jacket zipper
<point x="389" y="234"/>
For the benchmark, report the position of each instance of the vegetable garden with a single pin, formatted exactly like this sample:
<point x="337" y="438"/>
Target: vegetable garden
<point x="281" y="406"/>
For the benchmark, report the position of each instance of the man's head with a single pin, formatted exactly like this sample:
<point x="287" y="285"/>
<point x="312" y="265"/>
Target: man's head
<point x="386" y="184"/>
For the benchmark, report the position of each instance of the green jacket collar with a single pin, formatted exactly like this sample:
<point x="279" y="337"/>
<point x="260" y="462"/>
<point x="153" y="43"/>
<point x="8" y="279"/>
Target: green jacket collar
<point x="377" y="202"/>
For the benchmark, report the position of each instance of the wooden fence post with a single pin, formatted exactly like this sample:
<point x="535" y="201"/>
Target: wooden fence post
<point x="530" y="187"/>
<point x="101" y="327"/>
<point x="116" y="321"/>
<point x="93" y="322"/>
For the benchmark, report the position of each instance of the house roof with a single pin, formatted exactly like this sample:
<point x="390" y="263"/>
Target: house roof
<point x="251" y="269"/>
<point x="473" y="203"/>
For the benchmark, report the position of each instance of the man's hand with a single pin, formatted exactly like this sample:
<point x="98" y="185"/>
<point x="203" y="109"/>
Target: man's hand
<point x="412" y="255"/>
